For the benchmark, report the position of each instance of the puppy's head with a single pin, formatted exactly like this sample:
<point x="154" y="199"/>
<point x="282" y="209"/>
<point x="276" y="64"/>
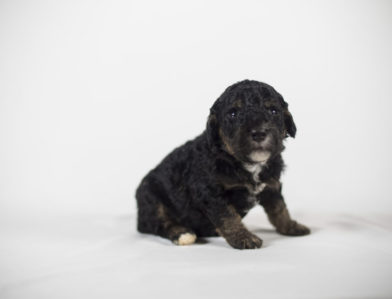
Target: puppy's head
<point x="250" y="121"/>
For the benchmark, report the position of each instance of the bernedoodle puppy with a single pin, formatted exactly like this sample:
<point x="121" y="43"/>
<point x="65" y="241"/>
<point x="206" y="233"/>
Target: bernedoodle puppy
<point x="206" y="186"/>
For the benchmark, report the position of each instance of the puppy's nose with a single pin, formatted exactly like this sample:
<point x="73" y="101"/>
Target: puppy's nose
<point x="258" y="135"/>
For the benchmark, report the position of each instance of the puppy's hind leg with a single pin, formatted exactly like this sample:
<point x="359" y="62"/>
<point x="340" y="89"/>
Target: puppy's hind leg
<point x="170" y="229"/>
<point x="154" y="218"/>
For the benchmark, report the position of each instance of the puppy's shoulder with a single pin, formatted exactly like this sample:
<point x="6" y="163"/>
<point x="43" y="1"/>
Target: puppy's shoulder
<point x="274" y="168"/>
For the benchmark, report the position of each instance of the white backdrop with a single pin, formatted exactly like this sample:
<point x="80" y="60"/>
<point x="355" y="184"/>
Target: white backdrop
<point x="93" y="94"/>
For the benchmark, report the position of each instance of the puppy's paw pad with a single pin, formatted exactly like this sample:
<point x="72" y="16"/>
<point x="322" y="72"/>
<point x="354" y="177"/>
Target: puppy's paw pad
<point x="185" y="239"/>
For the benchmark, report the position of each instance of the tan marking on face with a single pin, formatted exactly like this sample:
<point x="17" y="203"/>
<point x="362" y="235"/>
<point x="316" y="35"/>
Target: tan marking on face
<point x="269" y="103"/>
<point x="237" y="104"/>
<point x="226" y="142"/>
<point x="211" y="117"/>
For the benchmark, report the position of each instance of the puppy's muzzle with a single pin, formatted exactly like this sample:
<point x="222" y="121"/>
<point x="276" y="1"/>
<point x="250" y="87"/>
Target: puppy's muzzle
<point x="258" y="135"/>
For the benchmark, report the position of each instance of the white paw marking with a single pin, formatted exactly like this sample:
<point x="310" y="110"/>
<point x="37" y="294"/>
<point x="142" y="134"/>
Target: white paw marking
<point x="186" y="239"/>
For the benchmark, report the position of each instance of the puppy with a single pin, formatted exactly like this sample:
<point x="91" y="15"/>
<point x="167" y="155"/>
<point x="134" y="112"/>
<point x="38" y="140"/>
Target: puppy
<point x="206" y="186"/>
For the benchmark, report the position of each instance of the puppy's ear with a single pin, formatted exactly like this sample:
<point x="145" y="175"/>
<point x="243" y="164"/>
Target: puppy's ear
<point x="288" y="119"/>
<point x="289" y="123"/>
<point x="212" y="130"/>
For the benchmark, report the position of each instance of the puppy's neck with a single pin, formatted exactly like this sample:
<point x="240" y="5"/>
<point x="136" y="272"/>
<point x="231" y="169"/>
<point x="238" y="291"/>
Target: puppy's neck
<point x="255" y="169"/>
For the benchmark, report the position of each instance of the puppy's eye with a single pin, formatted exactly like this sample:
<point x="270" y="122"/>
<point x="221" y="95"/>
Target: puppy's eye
<point x="232" y="113"/>
<point x="273" y="111"/>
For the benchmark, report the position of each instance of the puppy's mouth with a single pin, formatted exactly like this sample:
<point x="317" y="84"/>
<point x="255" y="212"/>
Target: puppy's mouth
<point x="260" y="151"/>
<point x="259" y="156"/>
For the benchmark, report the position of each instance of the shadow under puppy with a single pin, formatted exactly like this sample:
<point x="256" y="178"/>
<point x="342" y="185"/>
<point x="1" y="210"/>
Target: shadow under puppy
<point x="206" y="186"/>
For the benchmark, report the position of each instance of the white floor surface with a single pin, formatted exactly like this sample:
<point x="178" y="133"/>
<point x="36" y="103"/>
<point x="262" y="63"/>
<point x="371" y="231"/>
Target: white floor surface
<point x="102" y="256"/>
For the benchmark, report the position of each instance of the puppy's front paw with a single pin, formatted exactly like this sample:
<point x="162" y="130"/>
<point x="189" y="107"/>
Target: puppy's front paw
<point x="293" y="228"/>
<point x="244" y="240"/>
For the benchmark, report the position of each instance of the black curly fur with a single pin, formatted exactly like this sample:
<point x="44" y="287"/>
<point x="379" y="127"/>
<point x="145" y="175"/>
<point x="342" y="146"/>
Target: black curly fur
<point x="206" y="185"/>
